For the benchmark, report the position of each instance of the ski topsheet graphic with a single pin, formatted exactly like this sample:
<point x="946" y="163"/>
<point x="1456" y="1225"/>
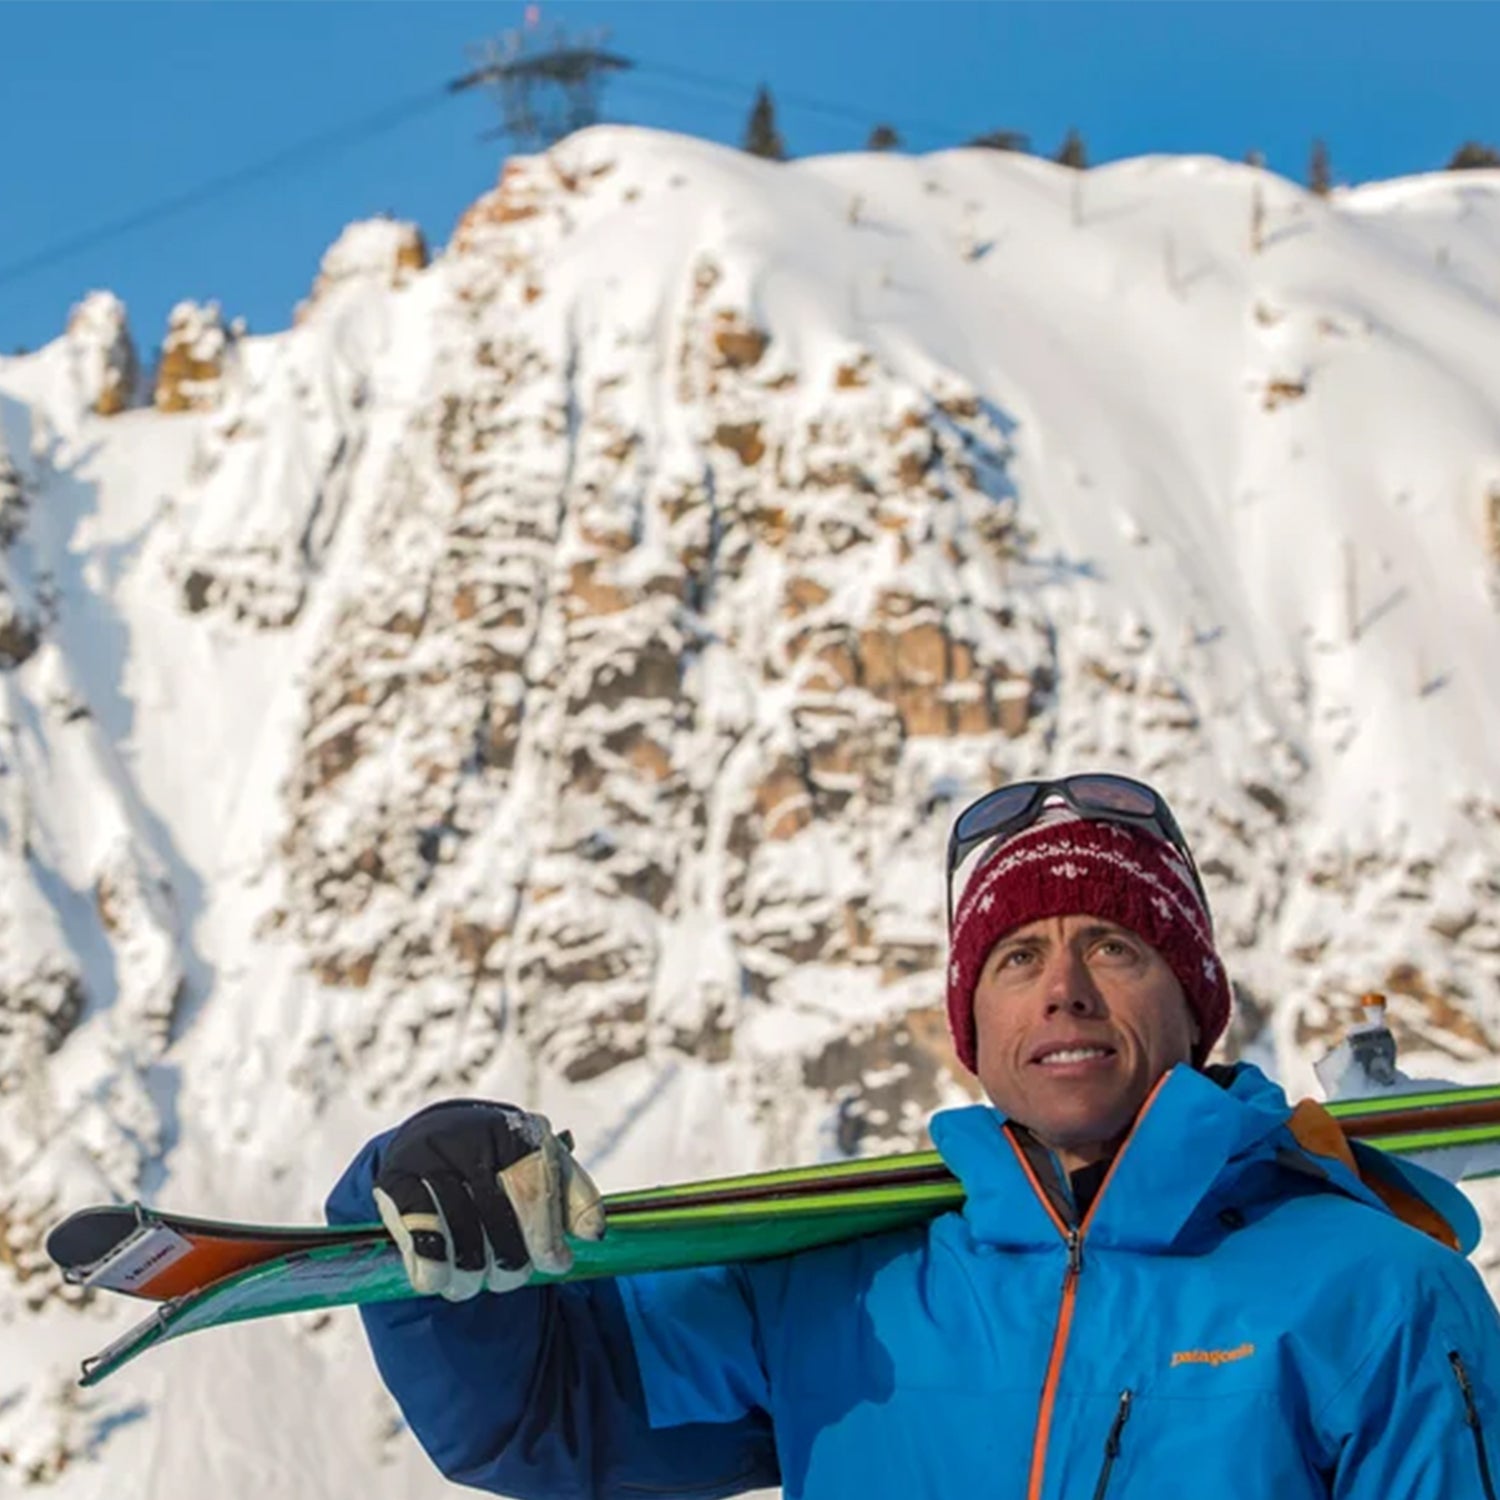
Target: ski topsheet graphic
<point x="204" y="1273"/>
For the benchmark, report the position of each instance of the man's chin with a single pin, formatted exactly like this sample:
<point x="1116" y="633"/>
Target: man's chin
<point x="1081" y="1130"/>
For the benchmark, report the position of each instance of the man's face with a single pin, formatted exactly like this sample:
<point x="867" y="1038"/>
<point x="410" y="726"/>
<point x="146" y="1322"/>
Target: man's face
<point x="1103" y="1005"/>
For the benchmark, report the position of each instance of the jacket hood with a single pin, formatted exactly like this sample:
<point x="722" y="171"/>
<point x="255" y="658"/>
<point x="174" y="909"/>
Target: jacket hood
<point x="1202" y="1144"/>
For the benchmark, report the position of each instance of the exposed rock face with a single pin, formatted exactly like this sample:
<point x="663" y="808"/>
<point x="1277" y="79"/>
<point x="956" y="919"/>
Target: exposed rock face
<point x="37" y="1012"/>
<point x="554" y="629"/>
<point x="548" y="624"/>
<point x="193" y="356"/>
<point x="108" y="371"/>
<point x="19" y="632"/>
<point x="20" y="624"/>
<point x="529" y="188"/>
<point x="380" y="252"/>
<point x="909" y="1057"/>
<point x="12" y="500"/>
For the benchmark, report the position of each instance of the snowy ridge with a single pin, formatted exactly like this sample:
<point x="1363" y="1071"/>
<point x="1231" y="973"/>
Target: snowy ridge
<point x="549" y="673"/>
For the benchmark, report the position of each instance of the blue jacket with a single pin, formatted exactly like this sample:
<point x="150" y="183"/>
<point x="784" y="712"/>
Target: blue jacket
<point x="1238" y="1317"/>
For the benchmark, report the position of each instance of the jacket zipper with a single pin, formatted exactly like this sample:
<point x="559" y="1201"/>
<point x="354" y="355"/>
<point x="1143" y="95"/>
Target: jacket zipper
<point x="1471" y="1416"/>
<point x="1112" y="1443"/>
<point x="1060" y="1334"/>
<point x="1073" y="1235"/>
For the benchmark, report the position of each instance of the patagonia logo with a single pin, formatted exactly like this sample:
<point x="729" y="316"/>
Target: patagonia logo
<point x="1212" y="1356"/>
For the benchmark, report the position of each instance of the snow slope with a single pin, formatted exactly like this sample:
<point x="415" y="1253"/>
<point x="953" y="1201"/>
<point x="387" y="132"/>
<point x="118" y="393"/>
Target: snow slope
<point x="550" y="674"/>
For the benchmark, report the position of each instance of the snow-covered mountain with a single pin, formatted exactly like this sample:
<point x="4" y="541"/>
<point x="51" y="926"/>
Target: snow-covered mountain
<point x="549" y="673"/>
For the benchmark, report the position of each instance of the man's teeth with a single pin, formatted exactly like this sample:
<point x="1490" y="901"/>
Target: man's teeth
<point x="1075" y="1054"/>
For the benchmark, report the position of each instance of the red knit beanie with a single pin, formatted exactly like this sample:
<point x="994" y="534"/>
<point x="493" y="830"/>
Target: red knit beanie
<point x="1067" y="866"/>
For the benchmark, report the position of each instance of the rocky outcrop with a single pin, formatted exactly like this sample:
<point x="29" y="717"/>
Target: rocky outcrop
<point x="248" y="546"/>
<point x="20" y="633"/>
<point x="541" y="612"/>
<point x="107" y="370"/>
<point x="380" y="252"/>
<point x="13" y="504"/>
<point x="530" y="187"/>
<point x="194" y="353"/>
<point x="38" y="1010"/>
<point x="886" y="1078"/>
<point x="906" y="658"/>
<point x="554" y="623"/>
<point x="20" y="621"/>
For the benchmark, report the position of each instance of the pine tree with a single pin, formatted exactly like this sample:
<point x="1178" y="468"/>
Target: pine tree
<point x="1072" y="153"/>
<point x="1472" y="155"/>
<point x="1320" y="170"/>
<point x="761" y="135"/>
<point x="883" y="138"/>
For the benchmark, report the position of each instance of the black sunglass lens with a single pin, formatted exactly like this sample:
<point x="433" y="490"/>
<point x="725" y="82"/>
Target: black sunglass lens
<point x="1111" y="794"/>
<point x="992" y="812"/>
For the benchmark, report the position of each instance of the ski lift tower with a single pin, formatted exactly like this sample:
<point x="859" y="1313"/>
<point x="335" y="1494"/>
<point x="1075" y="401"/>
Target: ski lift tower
<point x="545" y="89"/>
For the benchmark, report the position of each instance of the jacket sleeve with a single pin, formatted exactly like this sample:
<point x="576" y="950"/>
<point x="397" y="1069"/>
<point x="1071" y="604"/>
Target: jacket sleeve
<point x="1420" y="1416"/>
<point x="538" y="1392"/>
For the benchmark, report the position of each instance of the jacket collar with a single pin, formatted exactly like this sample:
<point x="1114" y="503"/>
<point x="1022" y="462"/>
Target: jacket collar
<point x="1194" y="1142"/>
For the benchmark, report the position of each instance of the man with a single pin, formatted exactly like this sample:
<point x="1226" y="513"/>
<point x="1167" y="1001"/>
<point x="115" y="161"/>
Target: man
<point x="1164" y="1281"/>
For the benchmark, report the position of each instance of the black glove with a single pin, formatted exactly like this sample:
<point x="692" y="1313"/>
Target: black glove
<point x="477" y="1195"/>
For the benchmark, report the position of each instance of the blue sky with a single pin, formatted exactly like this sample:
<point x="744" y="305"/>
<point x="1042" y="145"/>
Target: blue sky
<point x="110" y="108"/>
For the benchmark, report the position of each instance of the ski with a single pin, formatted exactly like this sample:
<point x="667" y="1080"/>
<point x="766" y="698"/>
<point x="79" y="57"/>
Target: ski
<point x="205" y="1273"/>
<point x="157" y="1254"/>
<point x="364" y="1266"/>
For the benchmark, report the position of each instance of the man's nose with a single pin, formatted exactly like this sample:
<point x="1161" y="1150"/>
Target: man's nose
<point x="1069" y="987"/>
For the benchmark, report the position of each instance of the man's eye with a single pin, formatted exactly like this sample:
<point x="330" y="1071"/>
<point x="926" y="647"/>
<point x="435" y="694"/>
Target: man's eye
<point x="1115" y="948"/>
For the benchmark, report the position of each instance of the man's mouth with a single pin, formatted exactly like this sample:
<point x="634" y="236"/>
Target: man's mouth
<point x="1062" y="1054"/>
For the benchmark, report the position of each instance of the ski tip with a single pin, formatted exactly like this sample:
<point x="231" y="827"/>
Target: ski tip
<point x="87" y="1235"/>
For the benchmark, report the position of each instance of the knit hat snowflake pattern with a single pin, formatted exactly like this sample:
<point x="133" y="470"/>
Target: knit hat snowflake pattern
<point x="1064" y="865"/>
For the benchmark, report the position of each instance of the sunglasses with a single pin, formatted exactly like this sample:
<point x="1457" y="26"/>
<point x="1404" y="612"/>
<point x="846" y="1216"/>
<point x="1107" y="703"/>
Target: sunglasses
<point x="1100" y="797"/>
